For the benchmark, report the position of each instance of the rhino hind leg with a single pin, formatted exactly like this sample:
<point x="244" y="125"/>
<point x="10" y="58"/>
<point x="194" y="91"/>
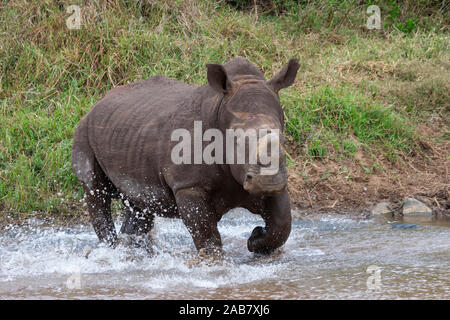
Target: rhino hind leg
<point x="98" y="192"/>
<point x="99" y="208"/>
<point x="136" y="227"/>
<point x="137" y="221"/>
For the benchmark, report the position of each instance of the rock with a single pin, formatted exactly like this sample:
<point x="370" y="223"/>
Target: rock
<point x="381" y="209"/>
<point x="415" y="208"/>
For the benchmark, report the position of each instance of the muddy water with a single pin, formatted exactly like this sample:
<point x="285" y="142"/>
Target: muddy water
<point x="324" y="258"/>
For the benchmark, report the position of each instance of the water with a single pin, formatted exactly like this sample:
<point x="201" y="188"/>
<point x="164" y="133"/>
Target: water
<point x="325" y="258"/>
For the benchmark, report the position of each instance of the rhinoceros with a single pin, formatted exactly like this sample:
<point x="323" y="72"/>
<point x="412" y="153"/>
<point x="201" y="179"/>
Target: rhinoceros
<point x="122" y="150"/>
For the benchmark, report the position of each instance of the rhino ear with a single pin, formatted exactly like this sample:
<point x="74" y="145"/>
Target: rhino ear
<point x="218" y="78"/>
<point x="286" y="76"/>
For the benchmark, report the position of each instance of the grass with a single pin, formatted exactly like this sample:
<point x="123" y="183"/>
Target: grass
<point x="334" y="121"/>
<point x="356" y="89"/>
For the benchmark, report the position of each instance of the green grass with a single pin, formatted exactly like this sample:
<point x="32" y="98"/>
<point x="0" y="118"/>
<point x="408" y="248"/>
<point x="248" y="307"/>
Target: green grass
<point x="333" y="121"/>
<point x="356" y="90"/>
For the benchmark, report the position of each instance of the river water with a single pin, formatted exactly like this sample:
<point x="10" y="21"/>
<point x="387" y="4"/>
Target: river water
<point x="327" y="257"/>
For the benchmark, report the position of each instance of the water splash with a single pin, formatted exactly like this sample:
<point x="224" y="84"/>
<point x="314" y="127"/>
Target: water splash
<point x="324" y="258"/>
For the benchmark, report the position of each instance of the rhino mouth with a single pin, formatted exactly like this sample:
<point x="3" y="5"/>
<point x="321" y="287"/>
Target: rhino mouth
<point x="259" y="184"/>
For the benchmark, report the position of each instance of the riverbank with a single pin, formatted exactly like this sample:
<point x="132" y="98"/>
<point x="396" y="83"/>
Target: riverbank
<point x="347" y="186"/>
<point x="366" y="121"/>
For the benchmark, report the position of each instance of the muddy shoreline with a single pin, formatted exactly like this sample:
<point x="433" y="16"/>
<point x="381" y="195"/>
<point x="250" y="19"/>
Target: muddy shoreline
<point x="347" y="186"/>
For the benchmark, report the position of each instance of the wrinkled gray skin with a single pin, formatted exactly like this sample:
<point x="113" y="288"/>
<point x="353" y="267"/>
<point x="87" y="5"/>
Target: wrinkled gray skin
<point x="122" y="149"/>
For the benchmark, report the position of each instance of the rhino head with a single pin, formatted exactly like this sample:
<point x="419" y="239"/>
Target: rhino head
<point x="251" y="104"/>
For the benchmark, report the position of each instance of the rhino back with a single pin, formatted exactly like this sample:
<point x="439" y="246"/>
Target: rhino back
<point x="129" y="129"/>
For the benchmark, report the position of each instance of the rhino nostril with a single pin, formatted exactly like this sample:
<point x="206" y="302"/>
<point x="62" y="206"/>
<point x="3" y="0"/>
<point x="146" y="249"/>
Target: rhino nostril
<point x="249" y="178"/>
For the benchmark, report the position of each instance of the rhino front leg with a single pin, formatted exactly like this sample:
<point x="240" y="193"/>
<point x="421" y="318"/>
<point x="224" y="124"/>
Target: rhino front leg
<point x="277" y="216"/>
<point x="200" y="218"/>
